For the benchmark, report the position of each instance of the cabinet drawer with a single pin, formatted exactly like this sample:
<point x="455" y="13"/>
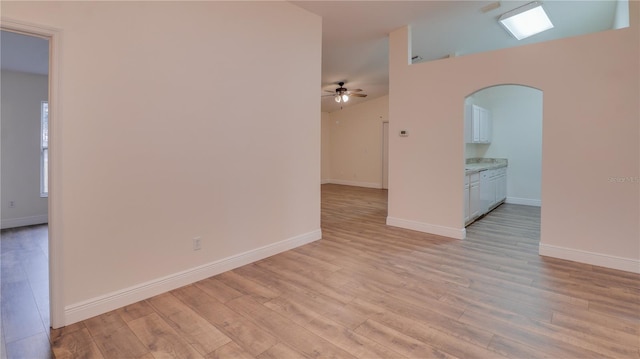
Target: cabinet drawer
<point x="474" y="177"/>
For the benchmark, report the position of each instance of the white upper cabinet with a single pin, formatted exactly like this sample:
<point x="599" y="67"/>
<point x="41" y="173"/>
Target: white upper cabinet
<point x="477" y="124"/>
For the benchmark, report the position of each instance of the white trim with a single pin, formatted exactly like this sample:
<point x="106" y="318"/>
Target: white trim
<point x="597" y="259"/>
<point x="24" y="221"/>
<point x="524" y="201"/>
<point x="355" y="183"/>
<point x="325" y="181"/>
<point x="56" y="282"/>
<point x="457" y="233"/>
<point x="382" y="155"/>
<point x="120" y="298"/>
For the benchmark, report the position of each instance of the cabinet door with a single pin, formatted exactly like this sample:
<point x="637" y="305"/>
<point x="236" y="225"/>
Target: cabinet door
<point x="468" y="127"/>
<point x="467" y="213"/>
<point x="493" y="191"/>
<point x="487" y="191"/>
<point x="501" y="188"/>
<point x="474" y="200"/>
<point x="478" y="127"/>
<point x="477" y="124"/>
<point x="485" y="125"/>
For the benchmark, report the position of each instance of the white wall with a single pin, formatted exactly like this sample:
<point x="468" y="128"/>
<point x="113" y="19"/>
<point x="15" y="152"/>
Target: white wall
<point x="22" y="94"/>
<point x="356" y="143"/>
<point x="169" y="129"/>
<point x="591" y="138"/>
<point x="516" y="113"/>
<point x="325" y="167"/>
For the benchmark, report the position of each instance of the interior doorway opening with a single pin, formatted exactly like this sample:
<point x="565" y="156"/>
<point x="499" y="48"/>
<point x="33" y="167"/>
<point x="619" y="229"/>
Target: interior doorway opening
<point x="503" y="149"/>
<point x="24" y="242"/>
<point x="54" y="212"/>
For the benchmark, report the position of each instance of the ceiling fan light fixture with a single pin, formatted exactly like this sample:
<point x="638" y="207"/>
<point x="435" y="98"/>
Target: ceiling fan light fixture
<point x="525" y="21"/>
<point x="342" y="94"/>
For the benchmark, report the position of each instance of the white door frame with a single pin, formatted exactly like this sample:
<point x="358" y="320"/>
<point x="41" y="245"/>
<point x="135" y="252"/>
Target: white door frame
<point x="385" y="155"/>
<point x="56" y="284"/>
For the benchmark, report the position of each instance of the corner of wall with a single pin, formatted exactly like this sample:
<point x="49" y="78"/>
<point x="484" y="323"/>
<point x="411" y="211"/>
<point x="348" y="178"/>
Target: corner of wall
<point x="95" y="306"/>
<point x="596" y="259"/>
<point x="456" y="233"/>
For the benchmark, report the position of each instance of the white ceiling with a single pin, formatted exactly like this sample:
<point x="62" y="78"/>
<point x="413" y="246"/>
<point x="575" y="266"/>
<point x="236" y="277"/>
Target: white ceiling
<point x="355" y="36"/>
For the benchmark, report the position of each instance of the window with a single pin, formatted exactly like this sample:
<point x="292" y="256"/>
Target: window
<point x="44" y="149"/>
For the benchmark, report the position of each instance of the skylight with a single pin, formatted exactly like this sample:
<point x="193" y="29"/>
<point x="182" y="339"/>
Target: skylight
<point x="526" y="20"/>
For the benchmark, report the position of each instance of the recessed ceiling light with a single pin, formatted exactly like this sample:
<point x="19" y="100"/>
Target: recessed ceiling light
<point x="526" y="20"/>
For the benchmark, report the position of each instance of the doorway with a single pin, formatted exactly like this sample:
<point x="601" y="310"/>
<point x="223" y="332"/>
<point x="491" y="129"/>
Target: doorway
<point x="24" y="176"/>
<point x="51" y="37"/>
<point x="513" y="123"/>
<point x="25" y="97"/>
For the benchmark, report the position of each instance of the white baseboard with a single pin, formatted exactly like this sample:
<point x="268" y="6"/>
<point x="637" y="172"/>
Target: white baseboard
<point x="457" y="233"/>
<point x="356" y="183"/>
<point x="597" y="259"/>
<point x="524" y="201"/>
<point x="95" y="306"/>
<point x="24" y="221"/>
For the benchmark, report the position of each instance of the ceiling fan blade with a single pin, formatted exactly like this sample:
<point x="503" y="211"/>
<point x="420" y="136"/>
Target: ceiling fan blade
<point x="358" y="95"/>
<point x="332" y="91"/>
<point x="355" y="90"/>
<point x="328" y="96"/>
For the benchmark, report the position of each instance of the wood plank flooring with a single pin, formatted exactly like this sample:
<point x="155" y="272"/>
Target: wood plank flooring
<point x="367" y="290"/>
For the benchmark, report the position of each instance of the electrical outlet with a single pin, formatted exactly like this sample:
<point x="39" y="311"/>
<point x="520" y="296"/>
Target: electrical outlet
<point x="197" y="243"/>
<point x="12" y="204"/>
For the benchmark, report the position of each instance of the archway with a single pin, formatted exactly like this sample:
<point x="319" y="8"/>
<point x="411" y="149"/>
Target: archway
<point x="513" y="117"/>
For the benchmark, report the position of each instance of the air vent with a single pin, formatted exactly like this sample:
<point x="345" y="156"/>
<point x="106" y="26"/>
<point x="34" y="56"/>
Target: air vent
<point x="492" y="6"/>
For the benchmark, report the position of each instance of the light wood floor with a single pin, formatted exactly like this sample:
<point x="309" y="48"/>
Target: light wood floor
<point x="371" y="291"/>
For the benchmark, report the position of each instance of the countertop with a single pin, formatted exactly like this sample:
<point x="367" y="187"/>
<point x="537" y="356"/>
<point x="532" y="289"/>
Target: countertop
<point x="475" y="165"/>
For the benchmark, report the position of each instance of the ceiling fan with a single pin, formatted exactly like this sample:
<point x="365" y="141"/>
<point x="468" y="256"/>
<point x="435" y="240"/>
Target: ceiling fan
<point x="341" y="94"/>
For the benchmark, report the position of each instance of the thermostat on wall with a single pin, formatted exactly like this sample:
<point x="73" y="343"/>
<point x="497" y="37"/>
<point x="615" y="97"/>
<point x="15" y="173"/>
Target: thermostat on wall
<point x="404" y="133"/>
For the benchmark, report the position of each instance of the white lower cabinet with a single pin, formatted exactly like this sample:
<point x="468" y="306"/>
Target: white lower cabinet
<point x="471" y="197"/>
<point x="487" y="190"/>
<point x="501" y="185"/>
<point x="474" y="199"/>
<point x="467" y="212"/>
<point x="483" y="191"/>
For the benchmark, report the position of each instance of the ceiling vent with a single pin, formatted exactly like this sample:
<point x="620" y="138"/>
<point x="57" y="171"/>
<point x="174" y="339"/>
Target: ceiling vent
<point x="492" y="6"/>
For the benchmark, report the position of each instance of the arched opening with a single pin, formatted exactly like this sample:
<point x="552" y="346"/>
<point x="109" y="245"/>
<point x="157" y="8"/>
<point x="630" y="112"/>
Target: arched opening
<point x="503" y="150"/>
